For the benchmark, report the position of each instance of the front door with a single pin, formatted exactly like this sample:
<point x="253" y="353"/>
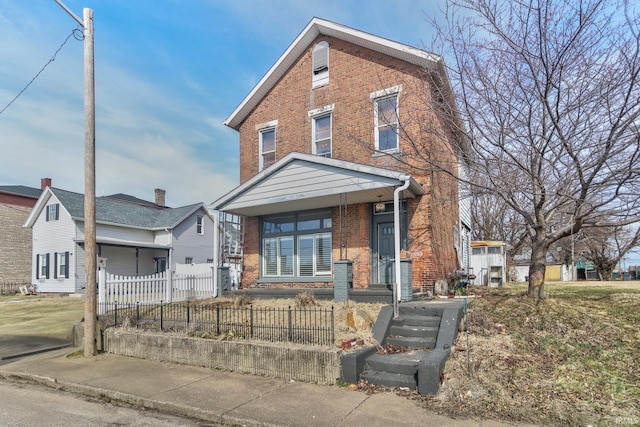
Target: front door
<point x="386" y="253"/>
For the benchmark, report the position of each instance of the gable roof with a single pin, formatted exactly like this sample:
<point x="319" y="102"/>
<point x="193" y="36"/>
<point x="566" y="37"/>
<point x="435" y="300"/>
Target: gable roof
<point x="113" y="211"/>
<point x="315" y="28"/>
<point x="21" y="190"/>
<point x="301" y="181"/>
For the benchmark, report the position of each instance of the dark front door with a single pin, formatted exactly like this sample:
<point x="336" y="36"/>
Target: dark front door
<point x="385" y="252"/>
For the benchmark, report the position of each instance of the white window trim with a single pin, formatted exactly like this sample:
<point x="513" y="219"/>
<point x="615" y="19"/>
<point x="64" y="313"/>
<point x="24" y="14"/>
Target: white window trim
<point x="322" y="78"/>
<point x="384" y="94"/>
<point x="313" y="134"/>
<point x="275" y="143"/>
<point x="200" y="219"/>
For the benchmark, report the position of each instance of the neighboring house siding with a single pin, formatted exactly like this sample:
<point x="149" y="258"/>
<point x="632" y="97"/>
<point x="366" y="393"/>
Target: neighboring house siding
<point x="355" y="74"/>
<point x="123" y="233"/>
<point x="15" y="244"/>
<point x="187" y="243"/>
<point x="51" y="237"/>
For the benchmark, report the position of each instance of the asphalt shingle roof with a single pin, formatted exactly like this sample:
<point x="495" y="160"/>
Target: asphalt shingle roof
<point x="118" y="211"/>
<point x="21" y="189"/>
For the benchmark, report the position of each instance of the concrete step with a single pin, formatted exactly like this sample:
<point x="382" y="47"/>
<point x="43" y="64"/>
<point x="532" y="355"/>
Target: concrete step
<point x="413" y="342"/>
<point x="414" y="331"/>
<point x="389" y="379"/>
<point x="400" y="363"/>
<point x="416" y="320"/>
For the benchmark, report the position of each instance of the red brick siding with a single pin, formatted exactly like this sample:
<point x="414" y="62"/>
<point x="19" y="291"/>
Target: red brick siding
<point x="355" y="72"/>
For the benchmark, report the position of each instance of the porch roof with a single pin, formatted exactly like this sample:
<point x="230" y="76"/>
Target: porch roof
<point x="301" y="181"/>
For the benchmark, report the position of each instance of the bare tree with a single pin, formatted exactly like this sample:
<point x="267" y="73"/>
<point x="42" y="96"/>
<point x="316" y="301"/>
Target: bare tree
<point x="549" y="99"/>
<point x="606" y="247"/>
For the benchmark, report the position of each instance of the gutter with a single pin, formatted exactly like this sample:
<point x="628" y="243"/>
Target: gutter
<point x="397" y="290"/>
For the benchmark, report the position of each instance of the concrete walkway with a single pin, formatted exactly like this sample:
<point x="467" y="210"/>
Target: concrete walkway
<point x="222" y="397"/>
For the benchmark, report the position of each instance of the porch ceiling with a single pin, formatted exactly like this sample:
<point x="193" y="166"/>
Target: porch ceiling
<point x="303" y="181"/>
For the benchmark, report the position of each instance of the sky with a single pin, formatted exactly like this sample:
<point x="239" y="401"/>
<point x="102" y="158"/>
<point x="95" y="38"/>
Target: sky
<point x="167" y="75"/>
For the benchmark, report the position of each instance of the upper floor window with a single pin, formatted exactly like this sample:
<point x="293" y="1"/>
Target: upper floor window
<point x="322" y="135"/>
<point x="53" y="212"/>
<point x="386" y="121"/>
<point x="320" y="60"/>
<point x="200" y="225"/>
<point x="267" y="147"/>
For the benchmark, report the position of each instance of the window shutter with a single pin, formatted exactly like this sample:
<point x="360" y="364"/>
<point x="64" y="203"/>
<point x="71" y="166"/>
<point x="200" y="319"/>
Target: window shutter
<point x="57" y="211"/>
<point x="55" y="265"/>
<point x="66" y="265"/>
<point x="47" y="212"/>
<point x="37" y="266"/>
<point x="48" y="264"/>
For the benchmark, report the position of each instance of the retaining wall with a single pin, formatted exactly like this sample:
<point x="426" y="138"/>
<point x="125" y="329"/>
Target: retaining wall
<point x="278" y="360"/>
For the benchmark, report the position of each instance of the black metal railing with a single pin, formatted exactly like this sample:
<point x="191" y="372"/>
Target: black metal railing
<point x="304" y="325"/>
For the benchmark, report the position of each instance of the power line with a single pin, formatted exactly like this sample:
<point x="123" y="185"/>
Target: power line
<point x="77" y="34"/>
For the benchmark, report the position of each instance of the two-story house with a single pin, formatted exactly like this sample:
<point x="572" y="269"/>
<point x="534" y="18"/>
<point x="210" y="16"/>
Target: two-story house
<point x="16" y="202"/>
<point x="134" y="237"/>
<point x="341" y="125"/>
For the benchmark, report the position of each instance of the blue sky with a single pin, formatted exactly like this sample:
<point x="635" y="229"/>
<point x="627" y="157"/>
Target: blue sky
<point x="167" y="75"/>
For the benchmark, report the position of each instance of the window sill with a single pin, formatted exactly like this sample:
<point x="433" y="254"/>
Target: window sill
<point x="318" y="279"/>
<point x="393" y="153"/>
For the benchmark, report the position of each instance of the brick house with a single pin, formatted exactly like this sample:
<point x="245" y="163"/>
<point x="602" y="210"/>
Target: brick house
<point x="16" y="202"/>
<point x="333" y="133"/>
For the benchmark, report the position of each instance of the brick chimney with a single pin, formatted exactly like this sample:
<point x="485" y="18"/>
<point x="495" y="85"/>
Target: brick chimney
<point x="44" y="183"/>
<point x="160" y="196"/>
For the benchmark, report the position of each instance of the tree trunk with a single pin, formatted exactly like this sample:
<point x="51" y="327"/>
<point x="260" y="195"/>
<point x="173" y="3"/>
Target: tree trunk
<point x="537" y="268"/>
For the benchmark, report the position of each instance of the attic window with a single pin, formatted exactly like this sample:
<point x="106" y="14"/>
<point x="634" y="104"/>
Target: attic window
<point x="320" y="59"/>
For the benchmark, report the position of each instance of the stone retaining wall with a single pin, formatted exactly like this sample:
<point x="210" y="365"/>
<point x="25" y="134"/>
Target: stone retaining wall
<point x="318" y="365"/>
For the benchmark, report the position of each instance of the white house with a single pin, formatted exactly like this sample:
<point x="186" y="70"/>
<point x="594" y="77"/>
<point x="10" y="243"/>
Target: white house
<point x="134" y="237"/>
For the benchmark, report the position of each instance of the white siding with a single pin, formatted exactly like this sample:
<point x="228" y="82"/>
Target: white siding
<point x="187" y="243"/>
<point x="50" y="237"/>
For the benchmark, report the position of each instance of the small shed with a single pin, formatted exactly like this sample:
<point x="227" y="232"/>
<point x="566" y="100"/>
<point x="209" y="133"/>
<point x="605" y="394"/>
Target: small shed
<point x="488" y="263"/>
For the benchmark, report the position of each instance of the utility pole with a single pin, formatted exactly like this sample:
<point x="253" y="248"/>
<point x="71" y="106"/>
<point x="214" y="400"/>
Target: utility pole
<point x="90" y="312"/>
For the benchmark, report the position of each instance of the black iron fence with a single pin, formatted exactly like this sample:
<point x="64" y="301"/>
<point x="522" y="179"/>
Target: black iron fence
<point x="302" y="325"/>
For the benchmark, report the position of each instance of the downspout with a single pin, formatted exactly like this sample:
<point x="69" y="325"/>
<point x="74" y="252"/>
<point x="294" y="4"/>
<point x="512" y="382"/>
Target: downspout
<point x="396" y="236"/>
<point x="216" y="242"/>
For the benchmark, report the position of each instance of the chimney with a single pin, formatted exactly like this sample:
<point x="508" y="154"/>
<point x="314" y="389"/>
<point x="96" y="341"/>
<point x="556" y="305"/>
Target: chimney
<point x="160" y="196"/>
<point x="44" y="183"/>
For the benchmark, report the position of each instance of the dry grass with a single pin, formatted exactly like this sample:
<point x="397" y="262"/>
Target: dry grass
<point x="571" y="359"/>
<point x="43" y="315"/>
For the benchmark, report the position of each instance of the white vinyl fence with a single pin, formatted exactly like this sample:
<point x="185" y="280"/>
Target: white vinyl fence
<point x="165" y="286"/>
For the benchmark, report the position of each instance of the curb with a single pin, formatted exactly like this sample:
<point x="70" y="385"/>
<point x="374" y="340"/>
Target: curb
<point x="32" y="352"/>
<point x="111" y="396"/>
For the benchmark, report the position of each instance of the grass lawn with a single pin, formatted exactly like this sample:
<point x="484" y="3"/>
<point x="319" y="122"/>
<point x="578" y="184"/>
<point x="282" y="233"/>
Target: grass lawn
<point x="50" y="316"/>
<point x="571" y="359"/>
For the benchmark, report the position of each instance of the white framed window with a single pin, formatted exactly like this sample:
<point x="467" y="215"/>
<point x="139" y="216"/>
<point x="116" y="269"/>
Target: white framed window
<point x="42" y="267"/>
<point x="200" y="225"/>
<point x="322" y="135"/>
<point x="61" y="268"/>
<point x="314" y="255"/>
<point x="386" y="123"/>
<point x="320" y="64"/>
<point x="267" y="147"/>
<point x="277" y="256"/>
<point x="53" y="212"/>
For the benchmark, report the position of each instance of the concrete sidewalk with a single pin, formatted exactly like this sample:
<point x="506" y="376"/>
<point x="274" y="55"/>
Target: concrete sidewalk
<point x="222" y="397"/>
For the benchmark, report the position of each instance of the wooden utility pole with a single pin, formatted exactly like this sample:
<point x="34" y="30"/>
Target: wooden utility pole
<point x="90" y="312"/>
